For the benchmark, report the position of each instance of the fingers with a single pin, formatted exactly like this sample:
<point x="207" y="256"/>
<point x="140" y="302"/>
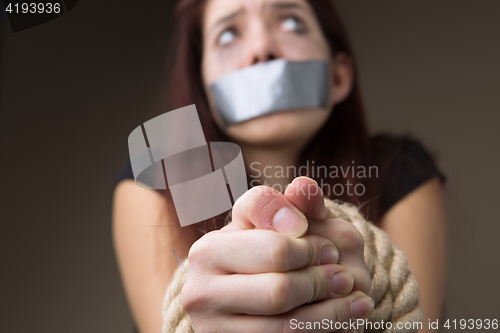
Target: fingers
<point x="263" y="207"/>
<point x="275" y="293"/>
<point x="307" y="196"/>
<point x="356" y="305"/>
<point x="260" y="251"/>
<point x="337" y="314"/>
<point x="350" y="245"/>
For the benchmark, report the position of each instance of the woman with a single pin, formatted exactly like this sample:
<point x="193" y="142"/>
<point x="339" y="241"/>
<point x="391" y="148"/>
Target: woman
<point x="230" y="287"/>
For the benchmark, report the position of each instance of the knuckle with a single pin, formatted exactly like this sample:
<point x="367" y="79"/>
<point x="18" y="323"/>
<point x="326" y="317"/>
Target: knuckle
<point x="193" y="299"/>
<point x="261" y="201"/>
<point x="312" y="252"/>
<point x="277" y="296"/>
<point x="277" y="252"/>
<point x="313" y="255"/>
<point x="341" y="311"/>
<point x="318" y="284"/>
<point x="365" y="280"/>
<point x="266" y="205"/>
<point x="196" y="252"/>
<point x="350" y="238"/>
<point x="202" y="250"/>
<point x="255" y="194"/>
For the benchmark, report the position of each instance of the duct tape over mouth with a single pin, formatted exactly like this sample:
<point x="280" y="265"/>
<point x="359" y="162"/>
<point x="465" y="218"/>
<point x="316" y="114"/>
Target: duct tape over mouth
<point x="272" y="86"/>
<point x="178" y="150"/>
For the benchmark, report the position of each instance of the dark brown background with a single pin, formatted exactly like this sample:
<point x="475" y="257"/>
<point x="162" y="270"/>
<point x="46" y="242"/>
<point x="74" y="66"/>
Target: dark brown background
<point x="73" y="89"/>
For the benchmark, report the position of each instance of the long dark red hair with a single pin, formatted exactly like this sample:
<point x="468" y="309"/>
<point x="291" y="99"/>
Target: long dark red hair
<point x="342" y="141"/>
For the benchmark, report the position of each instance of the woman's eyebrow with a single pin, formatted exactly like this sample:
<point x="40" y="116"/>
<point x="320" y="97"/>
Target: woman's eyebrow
<point x="287" y="5"/>
<point x="226" y="18"/>
<point x="272" y="5"/>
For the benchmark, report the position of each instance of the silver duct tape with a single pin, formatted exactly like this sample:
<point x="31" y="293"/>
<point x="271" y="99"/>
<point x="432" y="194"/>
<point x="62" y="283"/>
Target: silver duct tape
<point x="273" y="86"/>
<point x="176" y="138"/>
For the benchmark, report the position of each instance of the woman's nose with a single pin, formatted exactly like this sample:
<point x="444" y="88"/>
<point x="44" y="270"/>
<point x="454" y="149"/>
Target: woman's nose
<point x="261" y="46"/>
<point x="264" y="58"/>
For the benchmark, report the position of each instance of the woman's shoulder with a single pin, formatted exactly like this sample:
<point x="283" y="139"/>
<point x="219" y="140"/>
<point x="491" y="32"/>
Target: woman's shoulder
<point x="404" y="163"/>
<point x="126" y="190"/>
<point x="124" y="173"/>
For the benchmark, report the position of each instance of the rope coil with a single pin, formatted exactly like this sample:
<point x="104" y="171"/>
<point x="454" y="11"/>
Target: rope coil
<point x="394" y="289"/>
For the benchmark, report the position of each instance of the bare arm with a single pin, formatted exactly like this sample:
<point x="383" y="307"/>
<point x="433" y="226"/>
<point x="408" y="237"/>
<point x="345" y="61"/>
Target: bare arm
<point x="145" y="228"/>
<point x="417" y="225"/>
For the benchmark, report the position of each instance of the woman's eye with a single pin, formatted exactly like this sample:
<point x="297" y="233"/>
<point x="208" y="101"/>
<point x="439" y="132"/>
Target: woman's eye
<point x="227" y="36"/>
<point x="292" y="24"/>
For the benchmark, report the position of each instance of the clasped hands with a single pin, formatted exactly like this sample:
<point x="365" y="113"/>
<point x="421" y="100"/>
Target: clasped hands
<point x="284" y="258"/>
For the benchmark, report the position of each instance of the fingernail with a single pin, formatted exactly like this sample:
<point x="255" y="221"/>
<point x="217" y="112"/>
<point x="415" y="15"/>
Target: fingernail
<point x="362" y="308"/>
<point x="329" y="255"/>
<point x="287" y="221"/>
<point x="341" y="283"/>
<point x="304" y="177"/>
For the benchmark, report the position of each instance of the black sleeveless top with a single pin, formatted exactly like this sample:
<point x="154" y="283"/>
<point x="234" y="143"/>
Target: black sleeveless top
<point x="410" y="165"/>
<point x="403" y="163"/>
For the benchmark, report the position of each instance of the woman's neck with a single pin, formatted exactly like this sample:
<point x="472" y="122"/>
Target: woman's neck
<point x="270" y="165"/>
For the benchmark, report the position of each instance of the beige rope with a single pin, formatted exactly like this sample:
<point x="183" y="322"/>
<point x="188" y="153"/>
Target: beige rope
<point x="394" y="288"/>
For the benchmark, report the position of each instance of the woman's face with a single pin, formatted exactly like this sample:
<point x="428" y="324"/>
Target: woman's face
<point x="241" y="33"/>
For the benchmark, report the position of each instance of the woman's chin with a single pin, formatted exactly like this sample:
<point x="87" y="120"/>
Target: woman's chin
<point x="279" y="128"/>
